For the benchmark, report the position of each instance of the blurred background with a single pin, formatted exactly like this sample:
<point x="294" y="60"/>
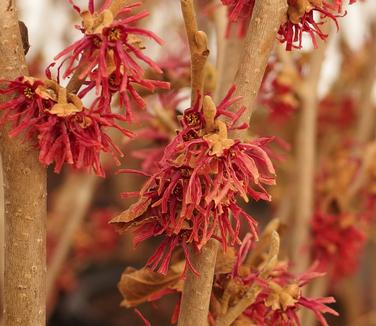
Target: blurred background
<point x="86" y="256"/>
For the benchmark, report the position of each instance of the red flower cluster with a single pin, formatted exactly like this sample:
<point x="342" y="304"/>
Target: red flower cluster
<point x="278" y="93"/>
<point x="281" y="299"/>
<point x="110" y="56"/>
<point x="301" y="18"/>
<point x="280" y="296"/>
<point x="336" y="113"/>
<point x="338" y="240"/>
<point x="194" y="192"/>
<point x="65" y="131"/>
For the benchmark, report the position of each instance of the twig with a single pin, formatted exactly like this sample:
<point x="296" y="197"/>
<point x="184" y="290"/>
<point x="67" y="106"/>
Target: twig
<point x="195" y="302"/>
<point x="266" y="19"/>
<point x="194" y="309"/>
<point x="306" y="154"/>
<point x="82" y="189"/>
<point x="234" y="312"/>
<point x="198" y="45"/>
<point x="25" y="199"/>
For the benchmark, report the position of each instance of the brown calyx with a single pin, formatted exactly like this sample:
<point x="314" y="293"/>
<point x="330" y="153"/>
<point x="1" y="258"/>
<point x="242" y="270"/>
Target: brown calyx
<point x="95" y="23"/>
<point x="297" y="10"/>
<point x="67" y="104"/>
<point x="282" y="297"/>
<point x="217" y="135"/>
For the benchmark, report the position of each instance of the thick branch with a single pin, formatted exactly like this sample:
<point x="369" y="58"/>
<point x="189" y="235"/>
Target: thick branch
<point x="366" y="123"/>
<point x="194" y="309"/>
<point x="25" y="199"/>
<point x="266" y="19"/>
<point x="198" y="45"/>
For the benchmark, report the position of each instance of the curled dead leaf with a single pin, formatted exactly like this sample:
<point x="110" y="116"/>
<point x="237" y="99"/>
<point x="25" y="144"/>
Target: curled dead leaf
<point x="139" y="286"/>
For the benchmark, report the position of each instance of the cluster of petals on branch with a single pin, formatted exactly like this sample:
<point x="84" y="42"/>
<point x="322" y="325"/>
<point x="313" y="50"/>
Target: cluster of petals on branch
<point x="246" y="273"/>
<point x="279" y="92"/>
<point x="63" y="130"/>
<point x="277" y="295"/>
<point x="110" y="56"/>
<point x="337" y="242"/>
<point x="336" y="113"/>
<point x="203" y="171"/>
<point x="340" y="221"/>
<point x="303" y="17"/>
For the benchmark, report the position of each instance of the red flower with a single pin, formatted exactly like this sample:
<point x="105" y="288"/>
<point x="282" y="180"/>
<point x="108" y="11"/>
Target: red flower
<point x="239" y="11"/>
<point x="281" y="299"/>
<point x="62" y="129"/>
<point x="302" y="19"/>
<point x="280" y="296"/>
<point x="337" y="243"/>
<point x="200" y="177"/>
<point x="110" y="55"/>
<point x="278" y="93"/>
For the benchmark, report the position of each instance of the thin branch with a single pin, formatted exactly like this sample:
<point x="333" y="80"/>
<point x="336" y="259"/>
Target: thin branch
<point x="198" y="45"/>
<point x="82" y="188"/>
<point x="196" y="295"/>
<point x="25" y="199"/>
<point x="266" y="19"/>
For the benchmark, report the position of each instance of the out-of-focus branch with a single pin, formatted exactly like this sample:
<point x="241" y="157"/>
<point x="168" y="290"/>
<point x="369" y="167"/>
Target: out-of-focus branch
<point x="80" y="189"/>
<point x="228" y="64"/>
<point x="367" y="117"/>
<point x="305" y="162"/>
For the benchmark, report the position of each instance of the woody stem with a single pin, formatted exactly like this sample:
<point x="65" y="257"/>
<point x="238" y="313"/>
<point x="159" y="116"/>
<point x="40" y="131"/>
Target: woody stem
<point x="266" y="19"/>
<point x="24" y="197"/>
<point x="198" y="45"/>
<point x="196" y="295"/>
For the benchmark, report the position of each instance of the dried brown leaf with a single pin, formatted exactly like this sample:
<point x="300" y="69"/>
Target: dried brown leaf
<point x="139" y="286"/>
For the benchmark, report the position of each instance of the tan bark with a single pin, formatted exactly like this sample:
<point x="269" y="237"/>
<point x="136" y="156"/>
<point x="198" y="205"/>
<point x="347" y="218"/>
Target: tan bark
<point x="25" y="199"/>
<point x="266" y="19"/>
<point x="194" y="308"/>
